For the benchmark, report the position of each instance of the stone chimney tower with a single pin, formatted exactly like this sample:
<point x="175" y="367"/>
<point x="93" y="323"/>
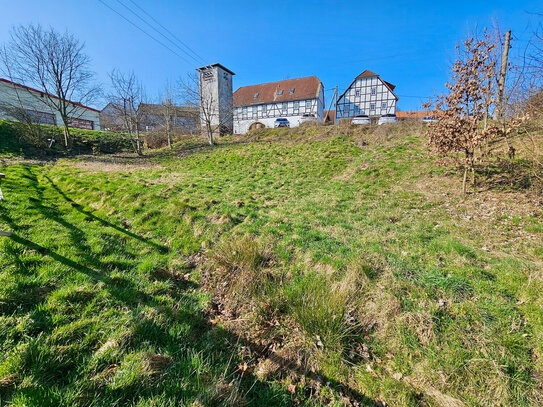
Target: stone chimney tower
<point x="216" y="108"/>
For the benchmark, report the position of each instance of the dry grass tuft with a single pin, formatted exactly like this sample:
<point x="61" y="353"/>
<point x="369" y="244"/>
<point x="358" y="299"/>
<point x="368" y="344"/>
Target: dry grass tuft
<point x="240" y="265"/>
<point x="8" y="381"/>
<point x="154" y="364"/>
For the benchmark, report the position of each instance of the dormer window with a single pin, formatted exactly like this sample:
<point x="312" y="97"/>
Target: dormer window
<point x="292" y="90"/>
<point x="280" y="92"/>
<point x="256" y="95"/>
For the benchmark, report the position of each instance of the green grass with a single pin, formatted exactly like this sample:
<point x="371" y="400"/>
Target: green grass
<point x="364" y="246"/>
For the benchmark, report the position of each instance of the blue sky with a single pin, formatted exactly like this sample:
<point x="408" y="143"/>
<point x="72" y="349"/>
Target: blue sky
<point x="410" y="44"/>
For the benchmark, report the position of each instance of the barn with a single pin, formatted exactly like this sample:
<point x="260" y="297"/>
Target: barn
<point x="19" y="102"/>
<point x="368" y="94"/>
<point x="257" y="106"/>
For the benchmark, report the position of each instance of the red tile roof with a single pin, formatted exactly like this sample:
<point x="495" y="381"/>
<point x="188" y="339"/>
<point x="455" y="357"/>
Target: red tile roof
<point x="331" y="116"/>
<point x="304" y="88"/>
<point x="41" y="91"/>
<point x="412" y="114"/>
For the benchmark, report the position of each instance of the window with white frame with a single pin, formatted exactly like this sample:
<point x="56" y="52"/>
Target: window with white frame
<point x="264" y="111"/>
<point x="384" y="105"/>
<point x="296" y="107"/>
<point x="372" y="106"/>
<point x="255" y="112"/>
<point x="308" y="105"/>
<point x="357" y="92"/>
<point x="373" y="91"/>
<point x="244" y="115"/>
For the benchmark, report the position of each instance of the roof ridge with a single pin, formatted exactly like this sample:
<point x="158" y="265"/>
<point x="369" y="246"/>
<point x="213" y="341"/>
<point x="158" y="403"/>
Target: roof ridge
<point x="49" y="94"/>
<point x="283" y="80"/>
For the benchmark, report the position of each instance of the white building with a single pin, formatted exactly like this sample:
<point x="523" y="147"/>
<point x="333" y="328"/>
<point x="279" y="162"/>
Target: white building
<point x="17" y="100"/>
<point x="258" y="106"/>
<point x="369" y="95"/>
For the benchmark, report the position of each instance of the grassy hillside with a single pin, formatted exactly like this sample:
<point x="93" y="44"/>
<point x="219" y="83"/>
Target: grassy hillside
<point x="317" y="266"/>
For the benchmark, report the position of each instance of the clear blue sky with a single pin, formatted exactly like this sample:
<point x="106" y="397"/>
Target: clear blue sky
<point x="410" y="44"/>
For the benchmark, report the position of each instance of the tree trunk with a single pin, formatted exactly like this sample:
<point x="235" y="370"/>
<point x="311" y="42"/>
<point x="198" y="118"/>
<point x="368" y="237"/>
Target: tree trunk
<point x="464" y="179"/>
<point x="168" y="132"/>
<point x="66" y="134"/>
<point x="138" y="141"/>
<point x="209" y="134"/>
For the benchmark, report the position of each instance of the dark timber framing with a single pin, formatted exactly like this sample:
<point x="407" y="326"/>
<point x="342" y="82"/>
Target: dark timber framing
<point x="367" y="94"/>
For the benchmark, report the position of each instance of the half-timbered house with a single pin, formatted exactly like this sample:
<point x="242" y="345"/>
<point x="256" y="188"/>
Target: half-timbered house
<point x="258" y="106"/>
<point x="368" y="94"/>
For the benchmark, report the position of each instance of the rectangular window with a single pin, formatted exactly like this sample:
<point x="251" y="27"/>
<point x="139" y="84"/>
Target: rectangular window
<point x="41" y="117"/>
<point x="255" y="112"/>
<point x="373" y="91"/>
<point x="357" y="92"/>
<point x="284" y="108"/>
<point x="384" y="105"/>
<point x="296" y="107"/>
<point x="244" y="113"/>
<point x="264" y="111"/>
<point x="308" y="105"/>
<point x="372" y="106"/>
<point x="292" y="90"/>
<point x="280" y="92"/>
<point x="81" y="123"/>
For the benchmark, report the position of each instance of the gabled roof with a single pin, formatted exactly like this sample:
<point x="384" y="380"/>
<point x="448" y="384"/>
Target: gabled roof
<point x="302" y="88"/>
<point x="156" y="110"/>
<point x="368" y="74"/>
<point x="45" y="93"/>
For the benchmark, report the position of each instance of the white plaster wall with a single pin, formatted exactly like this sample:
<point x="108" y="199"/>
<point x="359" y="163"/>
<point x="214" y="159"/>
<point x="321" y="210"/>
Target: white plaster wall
<point x="359" y="99"/>
<point x="14" y="96"/>
<point x="267" y="113"/>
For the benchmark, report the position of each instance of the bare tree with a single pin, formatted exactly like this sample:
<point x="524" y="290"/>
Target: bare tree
<point x="168" y="111"/>
<point x="127" y="96"/>
<point x="210" y="118"/>
<point x="55" y="63"/>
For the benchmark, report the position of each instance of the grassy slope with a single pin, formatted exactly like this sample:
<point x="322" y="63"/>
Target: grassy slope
<point x="448" y="293"/>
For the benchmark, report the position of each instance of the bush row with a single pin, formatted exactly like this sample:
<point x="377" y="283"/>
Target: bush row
<point x="18" y="137"/>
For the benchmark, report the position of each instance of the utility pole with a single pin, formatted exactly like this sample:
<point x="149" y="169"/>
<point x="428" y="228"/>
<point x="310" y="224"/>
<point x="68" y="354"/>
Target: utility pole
<point x="332" y="100"/>
<point x="498" y="113"/>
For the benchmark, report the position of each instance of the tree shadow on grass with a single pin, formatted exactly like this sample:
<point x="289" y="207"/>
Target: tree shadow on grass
<point x="54" y="374"/>
<point x="103" y="222"/>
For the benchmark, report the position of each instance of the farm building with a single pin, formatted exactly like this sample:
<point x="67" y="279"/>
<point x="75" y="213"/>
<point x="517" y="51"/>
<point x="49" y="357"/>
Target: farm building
<point x="152" y="116"/>
<point x="184" y="118"/>
<point x="258" y="106"/>
<point x="329" y="117"/>
<point x="19" y="102"/>
<point x="368" y="94"/>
